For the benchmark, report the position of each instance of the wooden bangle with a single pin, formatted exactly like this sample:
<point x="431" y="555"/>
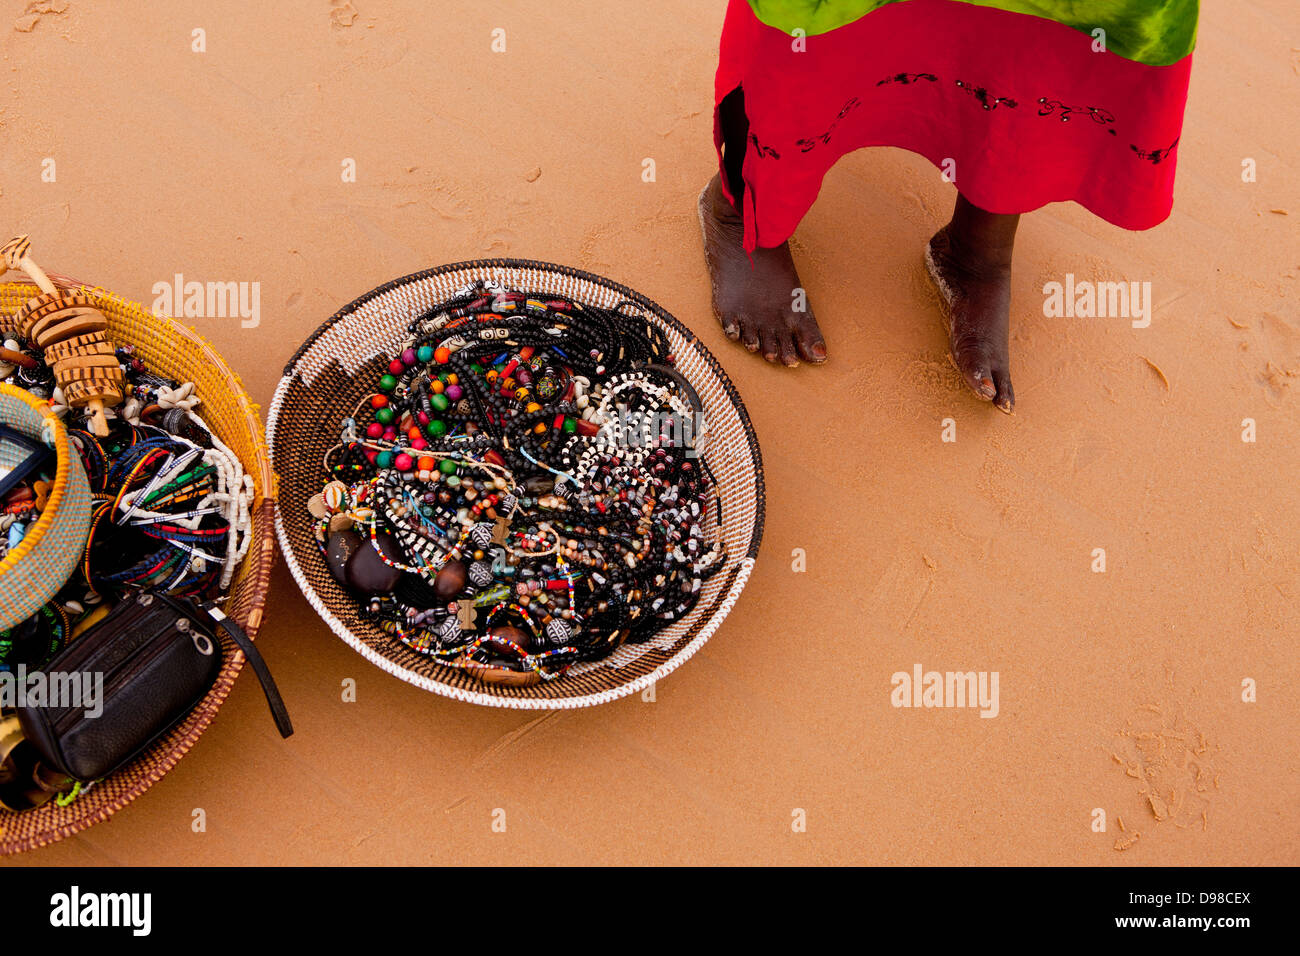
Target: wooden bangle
<point x="67" y="324"/>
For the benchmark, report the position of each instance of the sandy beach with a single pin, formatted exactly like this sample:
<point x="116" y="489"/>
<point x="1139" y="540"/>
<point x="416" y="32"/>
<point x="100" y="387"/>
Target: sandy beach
<point x="1160" y="690"/>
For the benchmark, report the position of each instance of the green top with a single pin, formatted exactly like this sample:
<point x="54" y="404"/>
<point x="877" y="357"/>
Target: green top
<point x="1155" y="32"/>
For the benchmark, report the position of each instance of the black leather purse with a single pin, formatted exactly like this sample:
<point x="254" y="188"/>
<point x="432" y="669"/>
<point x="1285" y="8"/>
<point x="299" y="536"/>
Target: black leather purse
<point x="152" y="658"/>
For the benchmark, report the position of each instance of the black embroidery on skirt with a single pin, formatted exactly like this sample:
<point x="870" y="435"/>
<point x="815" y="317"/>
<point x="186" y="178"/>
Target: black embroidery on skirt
<point x="810" y="143"/>
<point x="1095" y="113"/>
<point x="986" y="100"/>
<point x="906" y="78"/>
<point x="763" y="151"/>
<point x="1047" y="107"/>
<point x="1154" y="156"/>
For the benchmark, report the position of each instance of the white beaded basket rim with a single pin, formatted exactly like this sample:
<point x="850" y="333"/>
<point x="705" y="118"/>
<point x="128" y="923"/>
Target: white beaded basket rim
<point x="582" y="286"/>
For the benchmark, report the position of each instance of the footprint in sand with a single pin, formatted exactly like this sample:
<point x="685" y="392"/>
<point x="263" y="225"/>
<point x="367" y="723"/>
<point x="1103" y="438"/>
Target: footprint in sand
<point x="1282" y="369"/>
<point x="1171" y="764"/>
<point x="35" y="11"/>
<point x="343" y="13"/>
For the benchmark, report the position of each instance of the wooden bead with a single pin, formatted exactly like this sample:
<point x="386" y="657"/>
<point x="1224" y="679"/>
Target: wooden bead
<point x="82" y="393"/>
<point x="368" y="573"/>
<point x="502" y="675"/>
<point x="339" y="550"/>
<point x="73" y="362"/>
<point x="64" y="324"/>
<point x="450" y="580"/>
<point x="93" y="343"/>
<point x="515" y="635"/>
<point x="32" y="307"/>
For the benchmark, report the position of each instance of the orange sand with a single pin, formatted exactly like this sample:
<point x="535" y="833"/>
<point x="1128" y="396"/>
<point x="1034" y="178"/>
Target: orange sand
<point x="973" y="555"/>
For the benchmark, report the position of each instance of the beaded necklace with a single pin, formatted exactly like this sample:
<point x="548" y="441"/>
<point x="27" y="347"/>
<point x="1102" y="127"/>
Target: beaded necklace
<point x="521" y="496"/>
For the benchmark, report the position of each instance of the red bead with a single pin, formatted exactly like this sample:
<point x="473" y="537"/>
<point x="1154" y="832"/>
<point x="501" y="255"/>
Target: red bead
<point x="378" y="401"/>
<point x="374" y="430"/>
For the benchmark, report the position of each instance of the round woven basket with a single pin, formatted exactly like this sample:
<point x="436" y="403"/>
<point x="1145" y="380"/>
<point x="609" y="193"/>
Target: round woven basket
<point x="33" y="572"/>
<point x="177" y="352"/>
<point x="338" y="366"/>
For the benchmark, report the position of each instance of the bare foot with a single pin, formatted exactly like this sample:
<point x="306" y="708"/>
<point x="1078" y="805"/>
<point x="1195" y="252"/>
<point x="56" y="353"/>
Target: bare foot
<point x="755" y="302"/>
<point x="976" y="292"/>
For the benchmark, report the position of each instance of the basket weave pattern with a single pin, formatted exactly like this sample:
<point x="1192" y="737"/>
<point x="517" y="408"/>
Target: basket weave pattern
<point x="33" y="572"/>
<point x="337" y="367"/>
<point x="179" y="353"/>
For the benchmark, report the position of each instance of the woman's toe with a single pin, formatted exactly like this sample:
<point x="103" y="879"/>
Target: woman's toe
<point x="1006" y="395"/>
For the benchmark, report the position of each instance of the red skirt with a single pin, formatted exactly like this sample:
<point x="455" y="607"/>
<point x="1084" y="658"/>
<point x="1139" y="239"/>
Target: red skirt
<point x="1017" y="111"/>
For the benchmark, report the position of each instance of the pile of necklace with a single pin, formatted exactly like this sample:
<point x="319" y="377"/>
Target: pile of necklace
<point x="171" y="501"/>
<point x="171" y="511"/>
<point x="522" y="490"/>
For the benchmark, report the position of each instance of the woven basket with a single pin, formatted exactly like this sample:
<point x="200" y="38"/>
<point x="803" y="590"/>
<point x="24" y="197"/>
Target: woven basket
<point x="177" y="352"/>
<point x="34" y="571"/>
<point x="338" y="366"/>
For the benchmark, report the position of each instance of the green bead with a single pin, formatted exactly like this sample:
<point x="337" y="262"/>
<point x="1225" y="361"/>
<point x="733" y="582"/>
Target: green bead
<point x="453" y="481"/>
<point x="425" y="353"/>
<point x="436" y="428"/>
<point x="384" y="415"/>
<point x="388" y="383"/>
<point x="570" y="426"/>
<point x="440" y="402"/>
<point x="447" y="466"/>
<point x="384" y="459"/>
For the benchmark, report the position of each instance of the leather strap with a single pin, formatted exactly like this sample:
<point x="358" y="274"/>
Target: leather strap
<point x="278" y="711"/>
